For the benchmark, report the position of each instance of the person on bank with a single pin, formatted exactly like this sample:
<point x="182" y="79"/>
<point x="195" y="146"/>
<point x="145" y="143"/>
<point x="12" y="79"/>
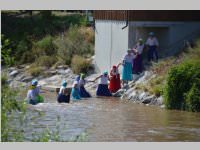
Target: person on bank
<point x="152" y="45"/>
<point x="63" y="95"/>
<point x="102" y="89"/>
<point x="82" y="90"/>
<point x="127" y="64"/>
<point x="33" y="94"/>
<point x="137" y="62"/>
<point x="115" y="83"/>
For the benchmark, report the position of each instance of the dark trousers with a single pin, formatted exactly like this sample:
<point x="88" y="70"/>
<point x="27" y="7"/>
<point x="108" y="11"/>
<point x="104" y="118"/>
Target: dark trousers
<point x="151" y="52"/>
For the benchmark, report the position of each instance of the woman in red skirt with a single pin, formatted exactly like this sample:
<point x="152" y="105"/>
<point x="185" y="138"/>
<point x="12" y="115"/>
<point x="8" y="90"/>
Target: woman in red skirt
<point x="115" y="83"/>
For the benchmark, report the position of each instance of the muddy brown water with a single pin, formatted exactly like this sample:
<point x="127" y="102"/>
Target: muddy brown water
<point x="111" y="120"/>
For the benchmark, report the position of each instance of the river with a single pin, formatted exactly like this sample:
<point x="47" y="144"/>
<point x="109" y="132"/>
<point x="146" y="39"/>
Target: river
<point x="111" y="120"/>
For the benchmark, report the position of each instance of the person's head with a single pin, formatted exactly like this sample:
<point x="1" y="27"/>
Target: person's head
<point x="140" y="41"/>
<point x="151" y="34"/>
<point x="77" y="78"/>
<point x="82" y="76"/>
<point x="114" y="68"/>
<point x="64" y="83"/>
<point x="34" y="82"/>
<point x="129" y="52"/>
<point x="105" y="73"/>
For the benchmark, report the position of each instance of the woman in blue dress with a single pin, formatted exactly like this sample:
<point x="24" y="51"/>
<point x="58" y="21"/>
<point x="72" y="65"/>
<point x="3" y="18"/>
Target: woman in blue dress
<point x="127" y="67"/>
<point x="102" y="89"/>
<point x="75" y="91"/>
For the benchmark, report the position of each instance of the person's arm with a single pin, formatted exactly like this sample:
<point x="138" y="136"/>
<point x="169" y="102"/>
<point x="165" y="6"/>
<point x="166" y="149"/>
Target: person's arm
<point x="97" y="78"/>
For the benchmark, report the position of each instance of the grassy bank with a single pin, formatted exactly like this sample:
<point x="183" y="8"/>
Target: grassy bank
<point x="177" y="78"/>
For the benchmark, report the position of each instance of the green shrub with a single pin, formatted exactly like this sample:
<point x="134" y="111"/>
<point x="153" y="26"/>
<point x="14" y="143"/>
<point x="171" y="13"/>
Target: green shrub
<point x="35" y="71"/>
<point x="6" y="52"/>
<point x="9" y="104"/>
<point x="193" y="98"/>
<point x="180" y="85"/>
<point x="45" y="47"/>
<point x="80" y="64"/>
<point x="46" y="61"/>
<point x="77" y="41"/>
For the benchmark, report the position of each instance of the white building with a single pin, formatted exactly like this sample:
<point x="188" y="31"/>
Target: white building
<point x="171" y="28"/>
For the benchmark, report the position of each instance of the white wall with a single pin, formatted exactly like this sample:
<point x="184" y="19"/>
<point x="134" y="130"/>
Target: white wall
<point x="111" y="43"/>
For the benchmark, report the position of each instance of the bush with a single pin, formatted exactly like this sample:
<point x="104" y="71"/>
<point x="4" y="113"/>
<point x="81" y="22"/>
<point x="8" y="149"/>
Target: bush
<point x="77" y="41"/>
<point x="35" y="71"/>
<point x="80" y="65"/>
<point x="45" y="47"/>
<point x="46" y="61"/>
<point x="6" y="52"/>
<point x="193" y="98"/>
<point x="180" y="86"/>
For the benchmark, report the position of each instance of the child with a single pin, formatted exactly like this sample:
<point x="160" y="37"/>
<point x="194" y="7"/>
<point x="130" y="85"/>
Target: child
<point x="33" y="96"/>
<point x="127" y="67"/>
<point x="115" y="84"/>
<point x="75" y="91"/>
<point x="102" y="89"/>
<point x="63" y="95"/>
<point x="82" y="90"/>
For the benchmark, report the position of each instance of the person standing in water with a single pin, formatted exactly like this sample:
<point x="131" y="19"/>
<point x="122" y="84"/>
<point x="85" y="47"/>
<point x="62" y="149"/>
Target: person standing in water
<point x="102" y="89"/>
<point x="75" y="91"/>
<point x="63" y="95"/>
<point x="33" y="94"/>
<point x="82" y="82"/>
<point x="137" y="62"/>
<point x="152" y="44"/>
<point x="127" y="64"/>
<point x="115" y="83"/>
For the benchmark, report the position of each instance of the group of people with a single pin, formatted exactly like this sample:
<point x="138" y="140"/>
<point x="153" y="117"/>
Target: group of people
<point x="108" y="83"/>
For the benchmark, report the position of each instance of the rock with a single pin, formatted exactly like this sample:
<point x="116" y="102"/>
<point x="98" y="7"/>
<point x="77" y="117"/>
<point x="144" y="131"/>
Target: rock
<point x="27" y="79"/>
<point x="27" y="67"/>
<point x="142" y="95"/>
<point x="13" y="73"/>
<point x="62" y="67"/>
<point x="20" y="77"/>
<point x="162" y="106"/>
<point x="52" y="72"/>
<point x="61" y="71"/>
<point x="148" y="99"/>
<point x="11" y="69"/>
<point x="119" y="93"/>
<point x="160" y="100"/>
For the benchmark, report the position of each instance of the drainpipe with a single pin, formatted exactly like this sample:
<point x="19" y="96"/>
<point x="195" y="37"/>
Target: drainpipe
<point x="127" y="17"/>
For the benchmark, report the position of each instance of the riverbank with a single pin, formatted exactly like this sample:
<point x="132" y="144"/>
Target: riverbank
<point x="19" y="78"/>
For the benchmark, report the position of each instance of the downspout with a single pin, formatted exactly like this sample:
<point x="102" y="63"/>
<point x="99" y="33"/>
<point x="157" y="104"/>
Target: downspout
<point x="127" y="17"/>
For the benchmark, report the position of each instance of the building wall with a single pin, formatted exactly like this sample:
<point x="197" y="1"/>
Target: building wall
<point x="170" y="34"/>
<point x="111" y="43"/>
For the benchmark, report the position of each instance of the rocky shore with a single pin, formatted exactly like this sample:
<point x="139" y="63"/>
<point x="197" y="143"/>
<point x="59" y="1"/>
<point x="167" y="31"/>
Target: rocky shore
<point x="19" y="78"/>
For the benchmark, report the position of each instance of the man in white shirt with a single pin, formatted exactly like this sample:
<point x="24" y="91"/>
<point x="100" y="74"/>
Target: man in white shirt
<point x="152" y="44"/>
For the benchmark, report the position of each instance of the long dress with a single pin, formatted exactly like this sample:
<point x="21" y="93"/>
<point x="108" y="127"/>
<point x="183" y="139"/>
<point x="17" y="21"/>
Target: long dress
<point x="82" y="90"/>
<point x="115" y="84"/>
<point x="63" y="98"/>
<point x="137" y="62"/>
<point x="75" y="94"/>
<point x="127" y="68"/>
<point x="102" y="89"/>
